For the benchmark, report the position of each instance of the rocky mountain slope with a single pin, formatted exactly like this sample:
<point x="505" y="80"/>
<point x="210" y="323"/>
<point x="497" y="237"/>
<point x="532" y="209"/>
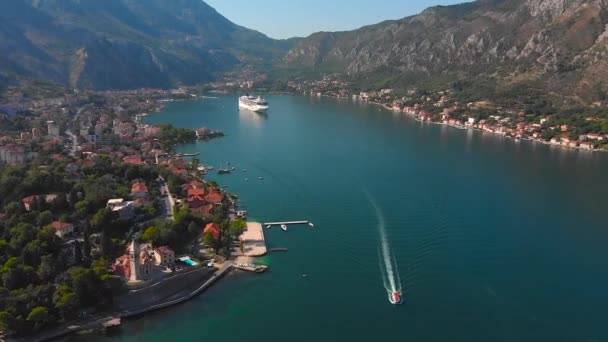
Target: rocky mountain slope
<point x="126" y="43"/>
<point x="560" y="45"/>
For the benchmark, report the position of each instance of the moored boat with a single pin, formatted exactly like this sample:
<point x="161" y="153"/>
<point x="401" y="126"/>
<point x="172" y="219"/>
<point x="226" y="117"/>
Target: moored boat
<point x="254" y="104"/>
<point x="284" y="227"/>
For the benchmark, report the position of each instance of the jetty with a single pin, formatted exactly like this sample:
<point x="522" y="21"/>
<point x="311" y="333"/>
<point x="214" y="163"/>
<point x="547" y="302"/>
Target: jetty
<point x="251" y="267"/>
<point x="253" y="241"/>
<point x="286" y="222"/>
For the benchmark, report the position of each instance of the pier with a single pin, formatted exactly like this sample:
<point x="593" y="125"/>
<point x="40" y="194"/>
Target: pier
<point x="251" y="267"/>
<point x="253" y="241"/>
<point x="286" y="223"/>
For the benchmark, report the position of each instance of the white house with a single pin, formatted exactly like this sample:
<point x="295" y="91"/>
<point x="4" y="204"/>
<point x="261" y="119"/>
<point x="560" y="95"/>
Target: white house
<point x="125" y="209"/>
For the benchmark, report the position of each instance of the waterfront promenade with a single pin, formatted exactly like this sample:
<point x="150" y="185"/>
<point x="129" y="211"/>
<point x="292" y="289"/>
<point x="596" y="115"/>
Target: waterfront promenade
<point x="97" y="322"/>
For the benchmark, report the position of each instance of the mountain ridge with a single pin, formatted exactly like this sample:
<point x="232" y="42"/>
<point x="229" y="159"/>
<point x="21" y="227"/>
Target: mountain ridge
<point x="126" y="43"/>
<point x="554" y="42"/>
<point x="559" y="46"/>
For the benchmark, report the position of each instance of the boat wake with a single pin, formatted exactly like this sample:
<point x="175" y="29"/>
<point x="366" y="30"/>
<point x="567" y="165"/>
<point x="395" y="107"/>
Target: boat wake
<point x="387" y="262"/>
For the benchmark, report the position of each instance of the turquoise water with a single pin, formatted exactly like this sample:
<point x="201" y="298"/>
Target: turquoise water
<point x="494" y="240"/>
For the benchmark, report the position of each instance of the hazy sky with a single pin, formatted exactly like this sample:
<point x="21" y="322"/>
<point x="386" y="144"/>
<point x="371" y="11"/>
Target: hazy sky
<point x="290" y="18"/>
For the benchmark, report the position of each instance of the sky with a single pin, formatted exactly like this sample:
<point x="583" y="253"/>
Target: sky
<point x="298" y="18"/>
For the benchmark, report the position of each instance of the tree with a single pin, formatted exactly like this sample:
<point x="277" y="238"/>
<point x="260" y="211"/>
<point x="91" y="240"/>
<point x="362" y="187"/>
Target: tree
<point x="44" y="218"/>
<point x="208" y="239"/>
<point x="5" y="321"/>
<point x="40" y="316"/>
<point x="237" y="227"/>
<point x="67" y="303"/>
<point x="151" y="234"/>
<point x="193" y="228"/>
<point x="102" y="218"/>
<point x="46" y="269"/>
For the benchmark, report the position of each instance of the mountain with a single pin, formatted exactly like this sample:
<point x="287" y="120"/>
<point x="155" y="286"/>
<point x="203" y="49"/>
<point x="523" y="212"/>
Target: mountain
<point x="126" y="43"/>
<point x="558" y="45"/>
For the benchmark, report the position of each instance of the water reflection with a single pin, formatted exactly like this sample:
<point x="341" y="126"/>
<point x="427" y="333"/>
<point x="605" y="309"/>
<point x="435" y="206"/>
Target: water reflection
<point x="252" y="118"/>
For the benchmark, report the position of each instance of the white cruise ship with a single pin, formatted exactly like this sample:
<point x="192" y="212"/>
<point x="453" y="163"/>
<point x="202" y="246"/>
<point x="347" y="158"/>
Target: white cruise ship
<point x="254" y="104"/>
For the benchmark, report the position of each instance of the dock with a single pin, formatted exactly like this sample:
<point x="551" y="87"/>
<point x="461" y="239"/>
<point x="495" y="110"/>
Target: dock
<point x="254" y="243"/>
<point x="286" y="222"/>
<point x="251" y="267"/>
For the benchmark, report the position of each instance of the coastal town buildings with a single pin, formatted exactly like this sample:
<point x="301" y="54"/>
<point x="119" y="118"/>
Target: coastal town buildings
<point x="142" y="262"/>
<point x="139" y="189"/>
<point x="213" y="229"/>
<point x="124" y="209"/>
<point x="62" y="229"/>
<point x="52" y="129"/>
<point x="30" y="201"/>
<point x="164" y="256"/>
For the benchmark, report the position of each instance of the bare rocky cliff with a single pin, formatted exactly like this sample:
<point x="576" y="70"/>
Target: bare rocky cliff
<point x="510" y="40"/>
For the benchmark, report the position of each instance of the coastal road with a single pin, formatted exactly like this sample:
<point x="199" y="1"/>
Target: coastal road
<point x="97" y="322"/>
<point x="167" y="201"/>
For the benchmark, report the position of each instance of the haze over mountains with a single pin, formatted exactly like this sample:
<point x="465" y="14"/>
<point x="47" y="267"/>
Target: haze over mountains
<point x="559" y="45"/>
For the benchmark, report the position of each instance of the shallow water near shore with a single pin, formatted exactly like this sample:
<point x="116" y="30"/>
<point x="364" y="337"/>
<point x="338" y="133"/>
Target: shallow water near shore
<point x="495" y="240"/>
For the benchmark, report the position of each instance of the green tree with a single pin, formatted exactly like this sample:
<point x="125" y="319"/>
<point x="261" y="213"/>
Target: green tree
<point x="237" y="227"/>
<point x="66" y="301"/>
<point x="46" y="270"/>
<point x="40" y="316"/>
<point x="151" y="234"/>
<point x="44" y="218"/>
<point x="208" y="239"/>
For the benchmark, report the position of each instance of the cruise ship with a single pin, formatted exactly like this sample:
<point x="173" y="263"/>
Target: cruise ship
<point x="252" y="103"/>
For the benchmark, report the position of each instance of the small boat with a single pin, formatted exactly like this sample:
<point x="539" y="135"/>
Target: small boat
<point x="209" y="167"/>
<point x="223" y="171"/>
<point x="278" y="249"/>
<point x="311" y="224"/>
<point x="268" y="226"/>
<point x="284" y="227"/>
<point x="395" y="297"/>
<point x="233" y="168"/>
<point x="260" y="178"/>
<point x="304" y="275"/>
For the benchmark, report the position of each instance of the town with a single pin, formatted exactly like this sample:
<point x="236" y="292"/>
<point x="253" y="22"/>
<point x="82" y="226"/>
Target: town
<point x="97" y="207"/>
<point x="99" y="214"/>
<point x="586" y="131"/>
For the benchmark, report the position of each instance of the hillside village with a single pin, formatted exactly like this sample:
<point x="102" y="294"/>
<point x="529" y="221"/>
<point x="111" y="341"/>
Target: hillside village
<point x="93" y="200"/>
<point x="583" y="128"/>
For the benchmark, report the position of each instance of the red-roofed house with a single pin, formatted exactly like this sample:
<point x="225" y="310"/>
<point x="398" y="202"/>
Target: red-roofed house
<point x="214" y="197"/>
<point x="214" y="229"/>
<point x="196" y="198"/>
<point x="135" y="160"/>
<point x="205" y="211"/>
<point x="139" y="190"/>
<point x="62" y="229"/>
<point x="28" y="201"/>
<point x="193" y="185"/>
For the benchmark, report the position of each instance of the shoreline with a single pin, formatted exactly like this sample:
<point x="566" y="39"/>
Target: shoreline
<point x="415" y="116"/>
<point x="96" y="324"/>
